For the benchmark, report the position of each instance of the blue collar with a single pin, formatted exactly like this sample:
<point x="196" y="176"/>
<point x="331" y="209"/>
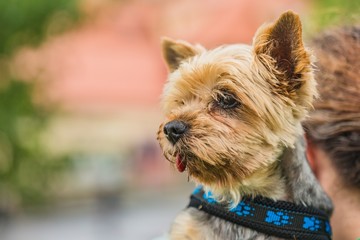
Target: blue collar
<point x="276" y="218"/>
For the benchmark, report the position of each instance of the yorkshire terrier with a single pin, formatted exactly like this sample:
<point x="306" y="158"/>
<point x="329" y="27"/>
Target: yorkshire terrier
<point x="233" y="123"/>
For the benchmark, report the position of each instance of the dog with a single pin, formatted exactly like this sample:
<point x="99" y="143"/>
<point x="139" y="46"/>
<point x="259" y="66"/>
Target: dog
<point x="233" y="123"/>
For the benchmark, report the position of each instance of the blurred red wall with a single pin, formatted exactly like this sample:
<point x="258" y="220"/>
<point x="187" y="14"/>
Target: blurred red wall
<point x="113" y="59"/>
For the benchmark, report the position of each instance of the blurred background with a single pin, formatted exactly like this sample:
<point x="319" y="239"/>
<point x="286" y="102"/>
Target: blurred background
<point x="80" y="82"/>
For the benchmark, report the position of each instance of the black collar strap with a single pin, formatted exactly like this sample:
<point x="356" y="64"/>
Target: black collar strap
<point x="277" y="218"/>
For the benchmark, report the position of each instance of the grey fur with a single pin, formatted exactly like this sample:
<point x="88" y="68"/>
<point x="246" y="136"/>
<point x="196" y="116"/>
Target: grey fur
<point x="302" y="185"/>
<point x="303" y="188"/>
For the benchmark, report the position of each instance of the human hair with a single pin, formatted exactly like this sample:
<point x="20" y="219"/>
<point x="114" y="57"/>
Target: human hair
<point x="334" y="124"/>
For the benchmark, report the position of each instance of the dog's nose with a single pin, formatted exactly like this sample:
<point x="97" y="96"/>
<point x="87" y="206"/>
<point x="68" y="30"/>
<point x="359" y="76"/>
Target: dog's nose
<point x="174" y="130"/>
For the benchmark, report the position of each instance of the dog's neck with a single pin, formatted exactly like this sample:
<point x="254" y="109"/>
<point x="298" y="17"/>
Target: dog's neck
<point x="267" y="182"/>
<point x="301" y="184"/>
<point x="289" y="179"/>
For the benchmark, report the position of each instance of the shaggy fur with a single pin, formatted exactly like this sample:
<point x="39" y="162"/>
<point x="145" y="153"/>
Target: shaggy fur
<point x="243" y="107"/>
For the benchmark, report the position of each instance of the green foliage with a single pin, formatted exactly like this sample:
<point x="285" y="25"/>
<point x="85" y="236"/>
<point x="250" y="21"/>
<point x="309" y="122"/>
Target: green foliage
<point x="27" y="170"/>
<point x="26" y="21"/>
<point x="327" y="13"/>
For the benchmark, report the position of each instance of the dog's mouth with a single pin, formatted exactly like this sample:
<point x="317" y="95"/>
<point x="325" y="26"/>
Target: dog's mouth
<point x="180" y="163"/>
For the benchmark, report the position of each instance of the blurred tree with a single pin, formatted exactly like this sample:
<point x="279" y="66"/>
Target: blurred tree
<point x="27" y="22"/>
<point x="27" y="170"/>
<point x="326" y="13"/>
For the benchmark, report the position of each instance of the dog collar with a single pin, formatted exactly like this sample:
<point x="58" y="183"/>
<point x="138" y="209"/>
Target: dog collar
<point x="276" y="218"/>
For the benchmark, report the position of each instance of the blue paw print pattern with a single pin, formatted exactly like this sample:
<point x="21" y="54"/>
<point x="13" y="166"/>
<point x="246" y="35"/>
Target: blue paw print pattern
<point x="197" y="190"/>
<point x="209" y="197"/>
<point x="243" y="209"/>
<point x="328" y="227"/>
<point x="278" y="218"/>
<point x="312" y="223"/>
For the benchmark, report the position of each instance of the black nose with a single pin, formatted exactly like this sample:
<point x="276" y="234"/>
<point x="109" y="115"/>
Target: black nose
<point x="174" y="130"/>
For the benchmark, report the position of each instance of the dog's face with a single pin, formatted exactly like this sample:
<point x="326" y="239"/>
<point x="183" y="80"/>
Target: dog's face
<point x="231" y="110"/>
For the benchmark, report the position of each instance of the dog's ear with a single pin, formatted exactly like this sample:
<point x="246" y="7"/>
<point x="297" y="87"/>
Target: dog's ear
<point x="176" y="51"/>
<point x="279" y="46"/>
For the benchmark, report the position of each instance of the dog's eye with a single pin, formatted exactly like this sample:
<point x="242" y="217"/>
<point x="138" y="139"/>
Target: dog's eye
<point x="227" y="101"/>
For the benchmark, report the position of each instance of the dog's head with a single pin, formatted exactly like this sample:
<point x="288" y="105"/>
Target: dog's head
<point x="230" y="111"/>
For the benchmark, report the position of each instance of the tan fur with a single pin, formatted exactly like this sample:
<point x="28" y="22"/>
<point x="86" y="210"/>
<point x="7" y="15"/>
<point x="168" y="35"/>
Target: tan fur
<point x="234" y="152"/>
<point x="186" y="228"/>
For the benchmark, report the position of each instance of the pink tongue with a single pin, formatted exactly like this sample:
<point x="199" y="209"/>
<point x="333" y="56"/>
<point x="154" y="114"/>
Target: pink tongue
<point x="180" y="164"/>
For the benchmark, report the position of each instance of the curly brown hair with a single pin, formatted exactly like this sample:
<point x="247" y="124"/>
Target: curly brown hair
<point x="334" y="125"/>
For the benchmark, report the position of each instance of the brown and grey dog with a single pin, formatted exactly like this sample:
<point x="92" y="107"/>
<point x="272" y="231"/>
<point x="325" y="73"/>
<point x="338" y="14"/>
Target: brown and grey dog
<point x="233" y="123"/>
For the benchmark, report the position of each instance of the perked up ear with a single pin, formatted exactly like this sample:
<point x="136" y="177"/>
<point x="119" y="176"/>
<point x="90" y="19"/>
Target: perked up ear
<point x="176" y="51"/>
<point x="282" y="42"/>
